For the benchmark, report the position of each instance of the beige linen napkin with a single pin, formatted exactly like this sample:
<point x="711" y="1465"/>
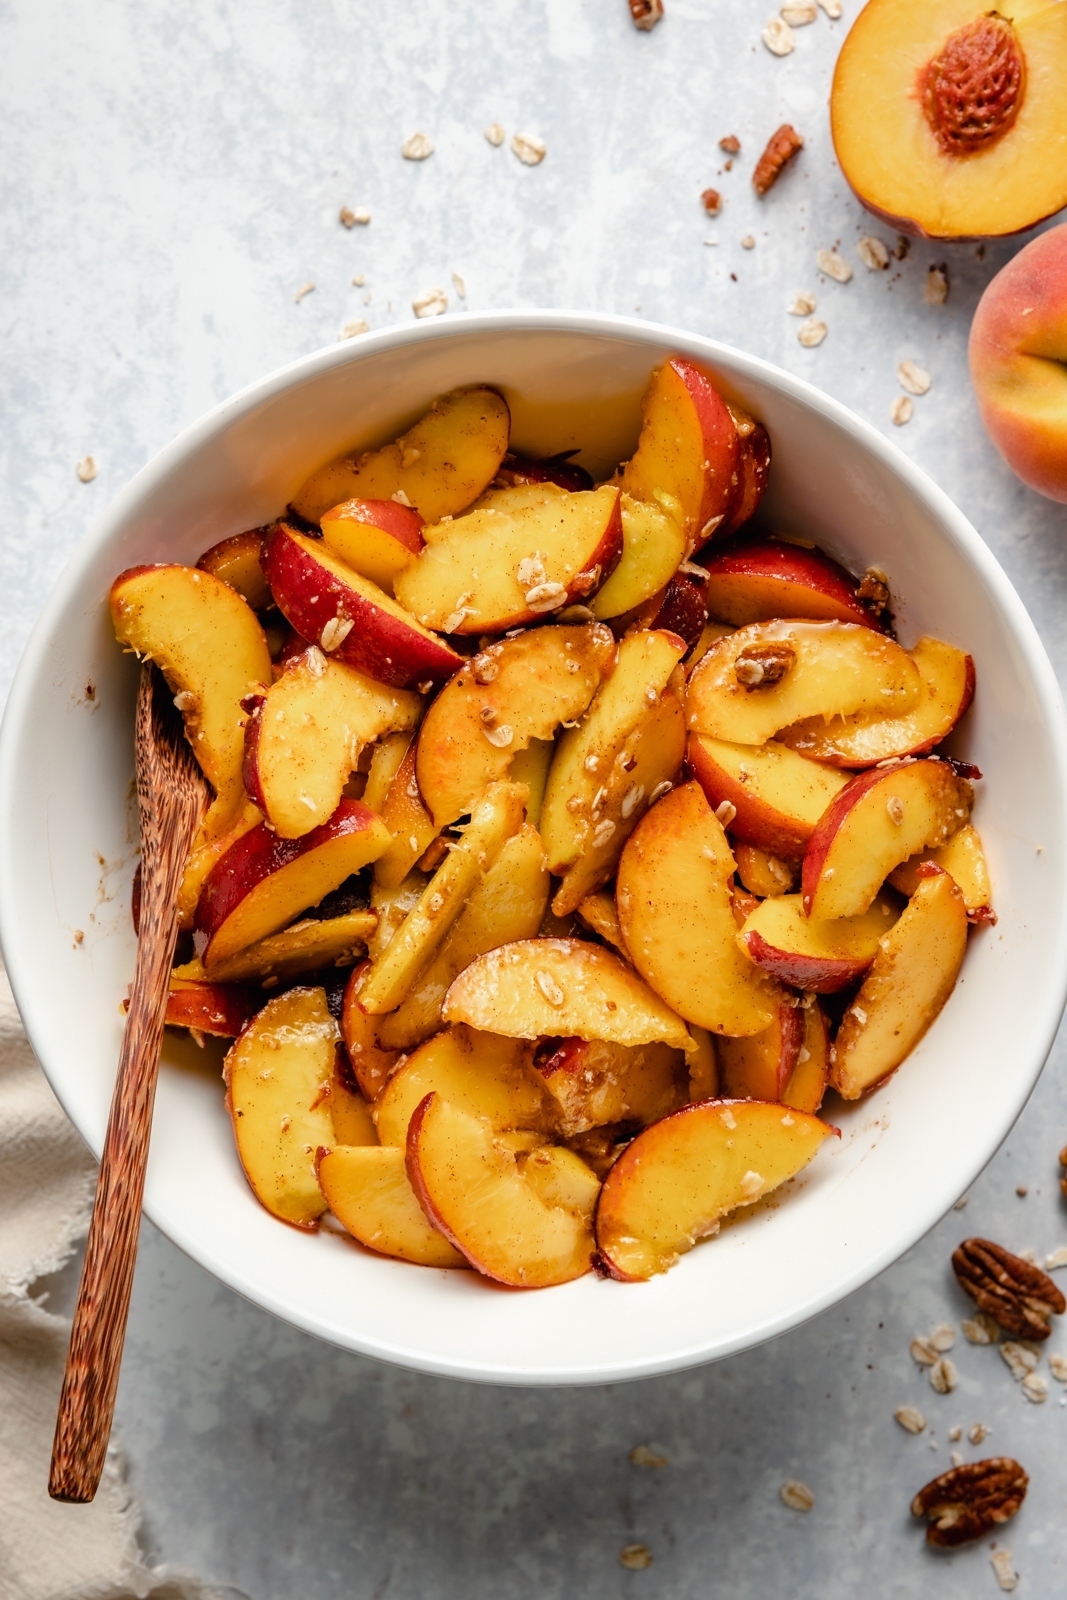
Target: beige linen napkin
<point x="50" y="1551"/>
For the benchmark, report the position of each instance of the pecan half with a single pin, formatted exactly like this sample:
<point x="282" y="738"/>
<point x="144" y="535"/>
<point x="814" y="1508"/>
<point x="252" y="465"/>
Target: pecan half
<point x="782" y="146"/>
<point x="1014" y="1292"/>
<point x="760" y="665"/>
<point x="965" y="1503"/>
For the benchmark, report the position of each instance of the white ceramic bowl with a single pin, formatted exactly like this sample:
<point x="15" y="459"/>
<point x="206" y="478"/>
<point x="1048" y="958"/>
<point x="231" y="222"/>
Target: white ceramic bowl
<point x="67" y="858"/>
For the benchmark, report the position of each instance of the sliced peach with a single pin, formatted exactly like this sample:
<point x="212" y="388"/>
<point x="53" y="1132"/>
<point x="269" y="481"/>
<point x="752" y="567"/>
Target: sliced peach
<point x="676" y="1181"/>
<point x="262" y="881"/>
<point x="349" y="1111"/>
<point x="912" y="976"/>
<point x="880" y="819"/>
<point x="495" y="818"/>
<point x="439" y="466"/>
<point x="530" y="767"/>
<point x="964" y="860"/>
<point x="511" y="692"/>
<point x="481" y="1073"/>
<point x="525" y="1231"/>
<point x="601" y="915"/>
<point x="587" y="756"/>
<point x="688" y="448"/>
<point x="391" y="906"/>
<point x="209" y="645"/>
<point x="221" y="1009"/>
<point x="947" y="676"/>
<point x="371" y="1064"/>
<point x="540" y="988"/>
<point x="759" y="1067"/>
<point x="507" y="904"/>
<point x="673" y="894"/>
<point x="653" y="544"/>
<point x="777" y="797"/>
<point x="807" y="1085"/>
<point x="495" y="569"/>
<point x="409" y="822"/>
<point x="377" y="538"/>
<point x="216" y="833"/>
<point x="304" y="737"/>
<point x="753" y="467"/>
<point x="759" y="578"/>
<point x="385" y="761"/>
<point x="348" y="616"/>
<point x="237" y="561"/>
<point x="710" y="634"/>
<point x="369" y="1193"/>
<point x="703" y="1066"/>
<point x="819" y="956"/>
<point x="680" y="608"/>
<point x="770" y="674"/>
<point x="763" y="874"/>
<point x="304" y="946"/>
<point x="278" y="1078"/>
<point x="593" y="1083"/>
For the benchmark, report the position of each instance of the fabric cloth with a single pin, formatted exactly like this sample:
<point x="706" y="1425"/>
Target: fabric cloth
<point x="50" y="1551"/>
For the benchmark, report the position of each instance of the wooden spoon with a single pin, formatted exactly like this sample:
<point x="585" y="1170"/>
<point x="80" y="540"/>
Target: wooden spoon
<point x="171" y="796"/>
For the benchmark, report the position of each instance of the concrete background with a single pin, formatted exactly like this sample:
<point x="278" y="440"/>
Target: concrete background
<point x="171" y="176"/>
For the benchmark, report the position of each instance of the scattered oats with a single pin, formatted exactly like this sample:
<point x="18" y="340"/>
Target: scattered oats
<point x="460" y="286"/>
<point x="352" y="330"/>
<point x="402" y="500"/>
<point x="549" y="987"/>
<point x="642" y="1456"/>
<point x="1021" y="1190"/>
<point x="943" y="1337"/>
<point x="913" y="378"/>
<point x="1021" y="1358"/>
<point x="812" y="333"/>
<point x="430" y="304"/>
<point x="531" y="570"/>
<point x="546" y="596"/>
<point x="859" y="1014"/>
<point x="902" y="410"/>
<point x="748" y="242"/>
<point x="977" y="1432"/>
<point x="751" y="1185"/>
<point x="494" y="134"/>
<point x="778" y="36"/>
<point x="895" y="807"/>
<point x="1056" y="1258"/>
<point x="980" y="1329"/>
<point x="802" y="304"/>
<point x="955" y="1458"/>
<point x="1002" y="1565"/>
<point x="631" y="798"/>
<point x="935" y="292"/>
<point x="834" y="265"/>
<point x="86" y="469"/>
<point x="456" y="619"/>
<point x="796" y="1495"/>
<point x="305" y="288"/>
<point x="1057" y="1365"/>
<point x="873" y="253"/>
<point x="335" y="633"/>
<point x="1035" y="1388"/>
<point x="725" y="812"/>
<point x="603" y="832"/>
<point x="529" y="149"/>
<point x="922" y="1352"/>
<point x="185" y="699"/>
<point x="955" y="1434"/>
<point x="910" y="1419"/>
<point x="636" y="1556"/>
<point x="417" y="147"/>
<point x="961" y="1203"/>
<point x="798" y="13"/>
<point x="943" y="1376"/>
<point x="832" y="8"/>
<point x="660" y="790"/>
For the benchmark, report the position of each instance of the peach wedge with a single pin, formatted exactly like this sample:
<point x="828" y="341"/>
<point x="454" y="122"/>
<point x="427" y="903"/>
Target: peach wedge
<point x="376" y="538"/>
<point x="778" y="796"/>
<point x="676" y="1181"/>
<point x="481" y="1073"/>
<point x="759" y="1067"/>
<point x="368" y="1190"/>
<point x="819" y="957"/>
<point x="653" y="544"/>
<point x="964" y="860"/>
<point x="688" y="453"/>
<point x="757" y="579"/>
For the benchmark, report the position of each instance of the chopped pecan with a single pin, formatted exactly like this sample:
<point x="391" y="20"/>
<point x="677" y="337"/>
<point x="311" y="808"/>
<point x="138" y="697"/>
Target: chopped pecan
<point x="760" y="665"/>
<point x="731" y="144"/>
<point x="965" y="1503"/>
<point x="712" y="201"/>
<point x="782" y="146"/>
<point x="874" y="590"/>
<point x="646" y="13"/>
<point x="1014" y="1292"/>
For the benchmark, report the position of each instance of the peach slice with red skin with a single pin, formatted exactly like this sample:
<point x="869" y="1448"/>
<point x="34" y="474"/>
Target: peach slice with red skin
<point x="675" y="1182"/>
<point x="820" y="957"/>
<point x="688" y="448"/>
<point x="483" y="1074"/>
<point x="309" y="945"/>
<point x="593" y="1082"/>
<point x="807" y="1084"/>
<point x="348" y="616"/>
<point x="368" y="1190"/>
<point x="963" y="858"/>
<point x="262" y="881"/>
<point x="760" y="578"/>
<point x="681" y="608"/>
<point x="221" y="1009"/>
<point x="778" y="797"/>
<point x="653" y="544"/>
<point x="764" y="874"/>
<point x="947" y="676"/>
<point x="376" y="538"/>
<point x="880" y="819"/>
<point x="821" y="668"/>
<point x="238" y="562"/>
<point x="753" y="467"/>
<point x="407" y="819"/>
<point x="349" y="1110"/>
<point x="372" y="1065"/>
<point x="759" y="1067"/>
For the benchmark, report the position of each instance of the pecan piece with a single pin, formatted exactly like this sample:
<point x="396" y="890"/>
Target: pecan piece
<point x="874" y="590"/>
<point x="966" y="1502"/>
<point x="760" y="665"/>
<point x="1014" y="1292"/>
<point x="782" y="146"/>
<point x="646" y="13"/>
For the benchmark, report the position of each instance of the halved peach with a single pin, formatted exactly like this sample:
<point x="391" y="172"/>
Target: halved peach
<point x="377" y="538"/>
<point x="348" y="616"/>
<point x="653" y="544"/>
<point x="541" y="988"/>
<point x="880" y="819"/>
<point x="767" y="676"/>
<point x="481" y="1073"/>
<point x="523" y="1218"/>
<point x="777" y="796"/>
<point x="594" y="1083"/>
<point x="262" y="881"/>
<point x="409" y="822"/>
<point x="819" y="956"/>
<point x="759" y="578"/>
<point x="964" y="860"/>
<point x="511" y="692"/>
<point x="673" y="894"/>
<point x="304" y="946"/>
<point x="912" y="976"/>
<point x="237" y="561"/>
<point x="368" y="1190"/>
<point x="278" y="1077"/>
<point x="688" y="448"/>
<point x="495" y="569"/>
<point x="676" y="1181"/>
<point x="439" y="466"/>
<point x="763" y="874"/>
<point x="209" y="645"/>
<point x="947" y="676"/>
<point x="371" y="1064"/>
<point x="806" y="1086"/>
<point x="507" y="904"/>
<point x="759" y="1067"/>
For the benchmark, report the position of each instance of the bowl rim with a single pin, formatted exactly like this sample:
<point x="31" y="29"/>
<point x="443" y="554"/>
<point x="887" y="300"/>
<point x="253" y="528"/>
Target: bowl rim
<point x="1043" y="1024"/>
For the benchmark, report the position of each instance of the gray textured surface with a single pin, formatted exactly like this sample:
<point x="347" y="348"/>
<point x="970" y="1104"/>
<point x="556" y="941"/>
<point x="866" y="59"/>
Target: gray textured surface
<point x="171" y="176"/>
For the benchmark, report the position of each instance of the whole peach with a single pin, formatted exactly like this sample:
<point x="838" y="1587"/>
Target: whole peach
<point x="1018" y="357"/>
